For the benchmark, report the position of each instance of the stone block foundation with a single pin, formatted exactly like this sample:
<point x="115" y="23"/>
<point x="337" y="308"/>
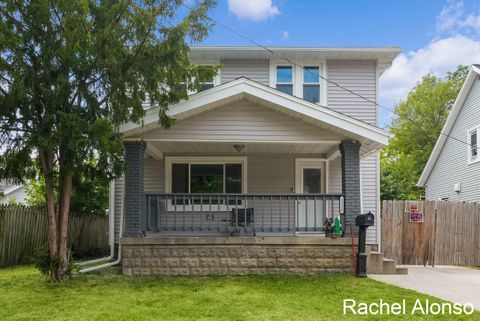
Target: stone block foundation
<point x="211" y="256"/>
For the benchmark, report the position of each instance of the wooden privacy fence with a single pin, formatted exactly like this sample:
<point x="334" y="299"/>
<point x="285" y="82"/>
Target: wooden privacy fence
<point x="24" y="228"/>
<point x="449" y="235"/>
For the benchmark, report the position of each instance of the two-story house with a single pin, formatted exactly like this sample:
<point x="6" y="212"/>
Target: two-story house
<point x="257" y="167"/>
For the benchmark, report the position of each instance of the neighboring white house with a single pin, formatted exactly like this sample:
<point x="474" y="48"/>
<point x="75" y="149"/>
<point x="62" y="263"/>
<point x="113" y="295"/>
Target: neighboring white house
<point x="453" y="169"/>
<point x="12" y="193"/>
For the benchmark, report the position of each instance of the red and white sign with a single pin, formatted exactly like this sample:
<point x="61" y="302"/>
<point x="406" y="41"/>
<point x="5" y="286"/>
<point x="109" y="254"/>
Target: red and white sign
<point x="415" y="211"/>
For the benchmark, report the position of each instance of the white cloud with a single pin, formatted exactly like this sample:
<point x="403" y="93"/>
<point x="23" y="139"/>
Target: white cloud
<point x="456" y="42"/>
<point x="454" y="19"/>
<point x="253" y="9"/>
<point x="285" y="35"/>
<point x="438" y="57"/>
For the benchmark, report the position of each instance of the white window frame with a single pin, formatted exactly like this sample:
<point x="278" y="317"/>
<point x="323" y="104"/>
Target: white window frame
<point x="210" y="160"/>
<point x="319" y="83"/>
<point x="297" y="77"/>
<point x="285" y="83"/>
<point x="469" y="147"/>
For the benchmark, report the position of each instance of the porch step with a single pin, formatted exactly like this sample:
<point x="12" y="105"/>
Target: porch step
<point x="389" y="266"/>
<point x="401" y="270"/>
<point x="375" y="263"/>
<point x="378" y="264"/>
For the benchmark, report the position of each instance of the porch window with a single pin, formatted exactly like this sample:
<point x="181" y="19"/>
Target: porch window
<point x="311" y="83"/>
<point x="284" y="77"/>
<point x="207" y="178"/>
<point x="473" y="156"/>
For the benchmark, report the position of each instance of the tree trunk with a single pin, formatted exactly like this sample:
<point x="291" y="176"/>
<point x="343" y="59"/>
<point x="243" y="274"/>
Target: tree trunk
<point x="58" y="249"/>
<point x="46" y="160"/>
<point x="63" y="271"/>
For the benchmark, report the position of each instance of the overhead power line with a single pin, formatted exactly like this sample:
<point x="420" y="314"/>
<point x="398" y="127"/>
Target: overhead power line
<point x="276" y="54"/>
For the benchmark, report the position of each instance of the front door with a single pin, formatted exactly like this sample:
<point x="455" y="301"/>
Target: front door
<point x="309" y="179"/>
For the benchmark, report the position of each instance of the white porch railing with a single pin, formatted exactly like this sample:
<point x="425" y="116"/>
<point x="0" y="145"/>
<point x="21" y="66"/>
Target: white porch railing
<point x="240" y="213"/>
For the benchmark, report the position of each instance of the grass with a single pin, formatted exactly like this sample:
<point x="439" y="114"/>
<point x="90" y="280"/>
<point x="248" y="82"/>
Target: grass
<point x="24" y="295"/>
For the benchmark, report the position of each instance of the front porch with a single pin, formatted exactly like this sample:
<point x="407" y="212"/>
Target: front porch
<point x="244" y="166"/>
<point x="256" y="194"/>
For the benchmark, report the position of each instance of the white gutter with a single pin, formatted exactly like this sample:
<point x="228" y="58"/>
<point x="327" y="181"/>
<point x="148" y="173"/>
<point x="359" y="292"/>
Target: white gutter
<point x="111" y="236"/>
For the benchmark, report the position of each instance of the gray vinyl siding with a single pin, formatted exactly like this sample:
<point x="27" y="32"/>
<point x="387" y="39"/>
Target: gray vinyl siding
<point x="359" y="76"/>
<point x="335" y="176"/>
<point x="256" y="70"/>
<point x="370" y="195"/>
<point x="242" y="121"/>
<point x="451" y="166"/>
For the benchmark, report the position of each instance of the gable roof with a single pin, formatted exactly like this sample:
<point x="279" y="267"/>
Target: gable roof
<point x="447" y="128"/>
<point x="245" y="88"/>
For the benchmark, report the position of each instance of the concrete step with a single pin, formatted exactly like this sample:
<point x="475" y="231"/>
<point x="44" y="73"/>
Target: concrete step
<point x="401" y="270"/>
<point x="389" y="266"/>
<point x="375" y="263"/>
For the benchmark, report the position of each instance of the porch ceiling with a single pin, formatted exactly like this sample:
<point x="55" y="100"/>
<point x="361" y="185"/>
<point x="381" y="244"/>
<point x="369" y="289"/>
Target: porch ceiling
<point x="227" y="148"/>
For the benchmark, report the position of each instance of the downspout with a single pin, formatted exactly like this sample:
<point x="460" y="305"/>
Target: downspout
<point x="111" y="227"/>
<point x="112" y="239"/>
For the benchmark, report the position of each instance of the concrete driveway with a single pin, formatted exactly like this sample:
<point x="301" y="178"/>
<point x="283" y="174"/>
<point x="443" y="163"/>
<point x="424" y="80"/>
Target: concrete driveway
<point x="452" y="283"/>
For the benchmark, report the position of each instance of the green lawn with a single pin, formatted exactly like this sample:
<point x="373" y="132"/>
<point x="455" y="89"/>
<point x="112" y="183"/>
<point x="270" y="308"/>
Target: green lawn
<point x="24" y="295"/>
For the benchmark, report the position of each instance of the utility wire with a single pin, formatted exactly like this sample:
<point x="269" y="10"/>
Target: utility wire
<point x="271" y="51"/>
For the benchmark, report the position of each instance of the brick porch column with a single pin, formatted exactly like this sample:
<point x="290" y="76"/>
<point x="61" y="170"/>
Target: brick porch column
<point x="133" y="197"/>
<point x="350" y="151"/>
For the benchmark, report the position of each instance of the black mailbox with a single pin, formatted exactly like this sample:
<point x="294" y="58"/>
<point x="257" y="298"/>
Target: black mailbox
<point x="365" y="219"/>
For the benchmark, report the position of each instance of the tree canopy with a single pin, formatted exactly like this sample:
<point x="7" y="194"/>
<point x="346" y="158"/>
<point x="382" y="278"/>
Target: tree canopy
<point x="71" y="71"/>
<point x="416" y="127"/>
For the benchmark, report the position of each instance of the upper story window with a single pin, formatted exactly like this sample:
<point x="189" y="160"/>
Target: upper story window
<point x="207" y="83"/>
<point x="284" y="79"/>
<point x="311" y="83"/>
<point x="473" y="150"/>
<point x="304" y="81"/>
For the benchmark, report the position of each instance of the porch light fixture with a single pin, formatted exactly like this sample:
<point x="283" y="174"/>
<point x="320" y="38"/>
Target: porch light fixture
<point x="239" y="147"/>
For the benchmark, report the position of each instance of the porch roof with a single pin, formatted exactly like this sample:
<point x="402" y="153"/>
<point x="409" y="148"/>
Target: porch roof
<point x="295" y="107"/>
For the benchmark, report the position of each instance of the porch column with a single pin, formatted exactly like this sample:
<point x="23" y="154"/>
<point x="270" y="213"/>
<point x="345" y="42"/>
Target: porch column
<point x="133" y="197"/>
<point x="350" y="151"/>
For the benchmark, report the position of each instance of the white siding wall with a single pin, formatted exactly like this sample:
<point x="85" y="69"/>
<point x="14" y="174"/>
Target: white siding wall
<point x="256" y="70"/>
<point x="370" y="195"/>
<point x="361" y="77"/>
<point x="451" y="166"/>
<point x="335" y="176"/>
<point x="242" y="121"/>
<point x="358" y="76"/>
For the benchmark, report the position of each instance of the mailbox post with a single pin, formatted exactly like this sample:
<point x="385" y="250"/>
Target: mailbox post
<point x="363" y="221"/>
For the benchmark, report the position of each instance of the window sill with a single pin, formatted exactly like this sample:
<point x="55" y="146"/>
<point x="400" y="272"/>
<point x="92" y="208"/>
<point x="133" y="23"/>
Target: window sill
<point x="471" y="162"/>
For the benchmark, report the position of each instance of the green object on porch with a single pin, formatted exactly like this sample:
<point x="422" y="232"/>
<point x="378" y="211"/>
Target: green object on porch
<point x="337" y="227"/>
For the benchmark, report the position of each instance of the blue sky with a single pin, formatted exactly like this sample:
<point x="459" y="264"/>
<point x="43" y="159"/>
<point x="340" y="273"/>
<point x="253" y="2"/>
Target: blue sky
<point x="435" y="35"/>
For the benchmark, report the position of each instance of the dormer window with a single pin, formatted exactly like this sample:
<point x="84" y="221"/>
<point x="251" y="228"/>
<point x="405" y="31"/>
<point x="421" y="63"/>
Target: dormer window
<point x="311" y="83"/>
<point x="473" y="134"/>
<point x="284" y="79"/>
